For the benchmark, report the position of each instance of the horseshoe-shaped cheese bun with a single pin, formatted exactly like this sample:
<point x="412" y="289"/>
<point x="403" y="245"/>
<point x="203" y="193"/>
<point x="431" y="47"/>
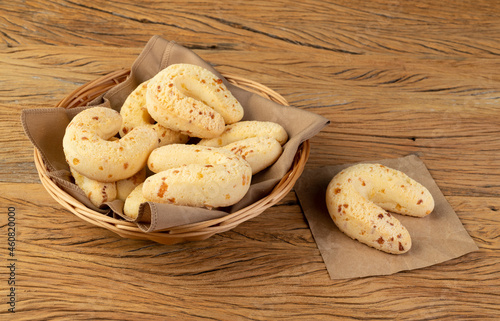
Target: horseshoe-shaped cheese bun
<point x="135" y="113"/>
<point x="89" y="152"/>
<point x="133" y="201"/>
<point x="259" y="152"/>
<point x="97" y="192"/>
<point x="125" y="186"/>
<point x="192" y="100"/>
<point x="247" y="129"/>
<point x="196" y="176"/>
<point x="359" y="197"/>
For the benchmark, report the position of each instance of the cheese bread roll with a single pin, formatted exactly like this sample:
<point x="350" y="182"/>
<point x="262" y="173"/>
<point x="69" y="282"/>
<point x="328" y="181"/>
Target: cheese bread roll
<point x="133" y="202"/>
<point x="247" y="129"/>
<point x="259" y="152"/>
<point x="196" y="176"/>
<point x="89" y="150"/>
<point x="192" y="100"/>
<point x="359" y="197"/>
<point x="125" y="186"/>
<point x="97" y="192"/>
<point x="135" y="113"/>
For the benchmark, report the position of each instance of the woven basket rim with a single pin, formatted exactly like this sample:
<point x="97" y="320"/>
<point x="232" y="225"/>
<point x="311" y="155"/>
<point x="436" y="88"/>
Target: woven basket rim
<point x="189" y="232"/>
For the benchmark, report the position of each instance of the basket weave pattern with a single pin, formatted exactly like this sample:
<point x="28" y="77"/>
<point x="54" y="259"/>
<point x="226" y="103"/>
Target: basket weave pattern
<point x="188" y="232"/>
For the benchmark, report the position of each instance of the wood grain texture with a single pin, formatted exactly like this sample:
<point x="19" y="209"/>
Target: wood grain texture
<point x="394" y="77"/>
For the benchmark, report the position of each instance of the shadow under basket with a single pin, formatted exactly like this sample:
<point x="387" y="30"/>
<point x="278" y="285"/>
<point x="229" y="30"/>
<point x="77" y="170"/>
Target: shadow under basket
<point x="189" y="232"/>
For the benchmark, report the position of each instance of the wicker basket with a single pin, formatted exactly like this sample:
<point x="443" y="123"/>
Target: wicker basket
<point x="184" y="233"/>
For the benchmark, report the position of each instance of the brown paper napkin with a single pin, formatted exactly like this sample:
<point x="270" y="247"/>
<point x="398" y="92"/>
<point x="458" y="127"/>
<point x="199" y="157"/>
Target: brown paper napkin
<point x="45" y="128"/>
<point x="436" y="238"/>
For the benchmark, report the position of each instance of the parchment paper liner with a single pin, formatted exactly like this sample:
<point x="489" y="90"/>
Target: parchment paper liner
<point x="436" y="238"/>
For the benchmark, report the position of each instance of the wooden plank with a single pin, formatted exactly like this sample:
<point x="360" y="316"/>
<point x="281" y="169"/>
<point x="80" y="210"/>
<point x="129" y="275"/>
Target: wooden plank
<point x="334" y="26"/>
<point x="43" y="75"/>
<point x="368" y="121"/>
<point x="337" y="78"/>
<point x="265" y="267"/>
<point x="394" y="78"/>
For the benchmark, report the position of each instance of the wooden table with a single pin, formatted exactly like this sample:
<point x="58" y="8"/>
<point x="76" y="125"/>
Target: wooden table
<point x="394" y="77"/>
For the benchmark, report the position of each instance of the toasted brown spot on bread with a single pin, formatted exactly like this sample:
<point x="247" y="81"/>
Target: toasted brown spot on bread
<point x="162" y="190"/>
<point x="104" y="195"/>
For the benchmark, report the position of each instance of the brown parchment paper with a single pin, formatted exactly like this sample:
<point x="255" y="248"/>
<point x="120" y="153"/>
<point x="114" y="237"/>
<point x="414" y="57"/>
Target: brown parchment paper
<point x="436" y="238"/>
<point x="45" y="128"/>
